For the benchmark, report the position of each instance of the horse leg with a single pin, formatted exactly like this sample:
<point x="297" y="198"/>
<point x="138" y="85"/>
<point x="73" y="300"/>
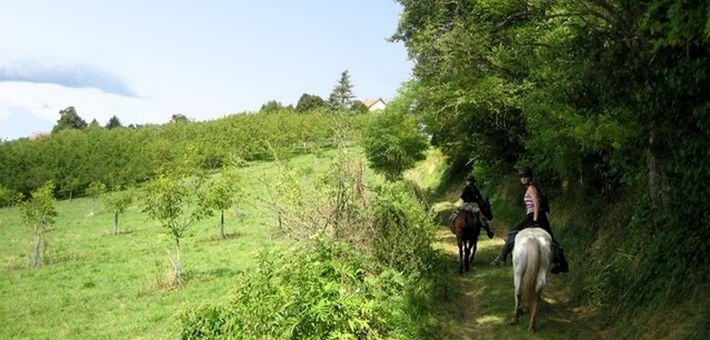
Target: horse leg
<point x="467" y="255"/>
<point x="533" y="314"/>
<point x="473" y="250"/>
<point x="516" y="311"/>
<point x="517" y="282"/>
<point x="461" y="254"/>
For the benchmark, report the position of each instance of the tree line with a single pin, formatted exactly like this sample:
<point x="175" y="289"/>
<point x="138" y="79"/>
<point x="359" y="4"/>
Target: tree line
<point x="74" y="158"/>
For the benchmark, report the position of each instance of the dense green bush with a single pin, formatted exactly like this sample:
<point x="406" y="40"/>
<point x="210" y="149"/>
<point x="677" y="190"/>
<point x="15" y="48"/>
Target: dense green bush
<point x="8" y="197"/>
<point x="392" y="139"/>
<point x="403" y="233"/>
<point x="327" y="292"/>
<point x="332" y="289"/>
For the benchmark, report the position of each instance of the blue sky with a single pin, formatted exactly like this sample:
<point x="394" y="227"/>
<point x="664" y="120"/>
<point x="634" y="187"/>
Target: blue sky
<point x="147" y="60"/>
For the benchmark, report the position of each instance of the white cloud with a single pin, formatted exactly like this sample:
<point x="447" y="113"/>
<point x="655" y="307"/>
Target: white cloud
<point x="77" y="76"/>
<point x="46" y="100"/>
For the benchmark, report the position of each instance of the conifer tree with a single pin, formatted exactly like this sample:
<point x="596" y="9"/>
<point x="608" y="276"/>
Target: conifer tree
<point x="342" y="95"/>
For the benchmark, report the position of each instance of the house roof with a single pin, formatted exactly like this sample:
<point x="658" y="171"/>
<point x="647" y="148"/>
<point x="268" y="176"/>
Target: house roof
<point x="370" y="102"/>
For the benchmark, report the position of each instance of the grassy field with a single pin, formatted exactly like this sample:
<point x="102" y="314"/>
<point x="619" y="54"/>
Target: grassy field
<point x="94" y="284"/>
<point x="97" y="285"/>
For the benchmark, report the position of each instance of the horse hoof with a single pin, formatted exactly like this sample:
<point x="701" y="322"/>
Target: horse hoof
<point x="514" y="322"/>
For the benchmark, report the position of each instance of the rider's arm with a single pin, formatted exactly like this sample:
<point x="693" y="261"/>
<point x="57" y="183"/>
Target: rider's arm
<point x="536" y="201"/>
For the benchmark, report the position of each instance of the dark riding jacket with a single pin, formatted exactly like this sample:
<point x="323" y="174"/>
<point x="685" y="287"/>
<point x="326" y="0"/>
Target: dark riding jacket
<point x="471" y="194"/>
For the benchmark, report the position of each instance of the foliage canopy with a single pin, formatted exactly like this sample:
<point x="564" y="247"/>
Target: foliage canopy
<point x="607" y="100"/>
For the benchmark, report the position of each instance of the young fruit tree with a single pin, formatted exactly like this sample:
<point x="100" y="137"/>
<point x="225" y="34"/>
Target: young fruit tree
<point x="117" y="202"/>
<point x="221" y="193"/>
<point x="95" y="189"/>
<point x="39" y="212"/>
<point x="176" y="202"/>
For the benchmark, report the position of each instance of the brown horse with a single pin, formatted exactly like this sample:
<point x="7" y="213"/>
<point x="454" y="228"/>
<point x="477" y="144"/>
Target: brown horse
<point x="467" y="226"/>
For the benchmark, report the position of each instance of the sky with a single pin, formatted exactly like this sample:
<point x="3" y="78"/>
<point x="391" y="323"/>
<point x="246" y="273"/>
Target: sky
<point x="144" y="61"/>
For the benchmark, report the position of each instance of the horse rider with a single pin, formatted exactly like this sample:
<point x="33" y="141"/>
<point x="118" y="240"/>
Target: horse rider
<point x="535" y="217"/>
<point x="473" y="201"/>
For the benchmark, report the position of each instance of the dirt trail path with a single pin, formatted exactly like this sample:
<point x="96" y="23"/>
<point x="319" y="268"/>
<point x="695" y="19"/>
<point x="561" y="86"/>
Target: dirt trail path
<point x="484" y="300"/>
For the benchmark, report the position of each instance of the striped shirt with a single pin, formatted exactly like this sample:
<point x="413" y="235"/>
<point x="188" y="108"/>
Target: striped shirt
<point x="529" y="203"/>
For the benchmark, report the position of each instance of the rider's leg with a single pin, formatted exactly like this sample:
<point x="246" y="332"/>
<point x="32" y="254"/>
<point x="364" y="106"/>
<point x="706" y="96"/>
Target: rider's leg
<point x="558" y="258"/>
<point x="451" y="221"/>
<point x="559" y="261"/>
<point x="507" y="249"/>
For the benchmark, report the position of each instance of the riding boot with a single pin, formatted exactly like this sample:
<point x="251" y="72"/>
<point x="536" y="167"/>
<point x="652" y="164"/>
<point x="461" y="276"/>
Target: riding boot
<point x="559" y="260"/>
<point x="500" y="260"/>
<point x="507" y="249"/>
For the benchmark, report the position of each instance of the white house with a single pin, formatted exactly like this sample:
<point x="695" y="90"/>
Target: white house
<point x="375" y="104"/>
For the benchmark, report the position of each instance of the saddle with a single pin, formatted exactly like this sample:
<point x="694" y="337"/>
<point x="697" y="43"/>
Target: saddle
<point x="467" y="208"/>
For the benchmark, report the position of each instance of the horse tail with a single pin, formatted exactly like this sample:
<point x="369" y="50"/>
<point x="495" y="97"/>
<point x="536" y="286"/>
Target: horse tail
<point x="532" y="269"/>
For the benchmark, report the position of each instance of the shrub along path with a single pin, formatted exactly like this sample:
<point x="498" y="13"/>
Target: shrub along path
<point x="483" y="305"/>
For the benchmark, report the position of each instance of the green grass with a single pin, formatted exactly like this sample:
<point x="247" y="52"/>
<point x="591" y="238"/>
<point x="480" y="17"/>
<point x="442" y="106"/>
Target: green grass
<point x="94" y="284"/>
<point x="97" y="285"/>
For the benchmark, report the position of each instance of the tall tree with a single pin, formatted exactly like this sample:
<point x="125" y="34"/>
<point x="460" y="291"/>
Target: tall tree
<point x="179" y="118"/>
<point x="309" y="102"/>
<point x="271" y="106"/>
<point x="69" y="119"/>
<point x="113" y="122"/>
<point x="342" y="94"/>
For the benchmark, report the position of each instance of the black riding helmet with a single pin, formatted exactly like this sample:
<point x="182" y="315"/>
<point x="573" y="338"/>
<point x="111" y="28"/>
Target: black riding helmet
<point x="470" y="178"/>
<point x="525" y="172"/>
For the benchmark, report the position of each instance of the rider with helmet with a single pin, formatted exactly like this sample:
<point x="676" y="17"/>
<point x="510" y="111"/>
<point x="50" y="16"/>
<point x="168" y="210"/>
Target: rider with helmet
<point x="473" y="201"/>
<point x="535" y="217"/>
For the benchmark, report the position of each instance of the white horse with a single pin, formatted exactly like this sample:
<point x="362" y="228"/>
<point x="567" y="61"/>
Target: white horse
<point x="532" y="255"/>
